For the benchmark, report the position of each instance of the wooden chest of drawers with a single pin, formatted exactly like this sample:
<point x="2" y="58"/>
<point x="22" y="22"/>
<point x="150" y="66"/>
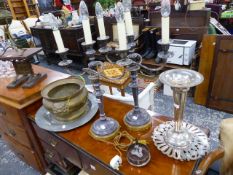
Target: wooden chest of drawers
<point x="65" y="156"/>
<point x="15" y="128"/>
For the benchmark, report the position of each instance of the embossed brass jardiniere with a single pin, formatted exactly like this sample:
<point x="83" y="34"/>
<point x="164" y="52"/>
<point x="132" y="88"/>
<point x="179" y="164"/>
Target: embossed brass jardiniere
<point x="65" y="98"/>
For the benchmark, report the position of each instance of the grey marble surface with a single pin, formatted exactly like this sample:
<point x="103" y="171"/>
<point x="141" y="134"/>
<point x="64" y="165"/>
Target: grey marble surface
<point x="196" y="114"/>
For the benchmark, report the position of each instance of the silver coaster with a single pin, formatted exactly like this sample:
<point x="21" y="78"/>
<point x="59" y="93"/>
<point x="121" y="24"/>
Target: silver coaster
<point x="197" y="147"/>
<point x="45" y="120"/>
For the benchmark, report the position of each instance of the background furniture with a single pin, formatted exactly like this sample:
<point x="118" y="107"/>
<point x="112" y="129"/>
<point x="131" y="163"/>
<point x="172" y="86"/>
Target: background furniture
<point x="72" y="38"/>
<point x="145" y="98"/>
<point x="14" y="127"/>
<point x="224" y="152"/>
<point x="190" y="25"/>
<point x="21" y="9"/>
<point x="78" y="148"/>
<point x="110" y="22"/>
<point x="216" y="66"/>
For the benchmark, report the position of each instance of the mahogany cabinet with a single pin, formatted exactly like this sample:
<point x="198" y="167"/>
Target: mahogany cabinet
<point x="15" y="129"/>
<point x="220" y="94"/>
<point x="216" y="63"/>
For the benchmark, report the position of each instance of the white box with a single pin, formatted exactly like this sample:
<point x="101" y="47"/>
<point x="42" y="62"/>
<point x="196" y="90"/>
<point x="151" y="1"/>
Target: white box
<point x="167" y="90"/>
<point x="182" y="51"/>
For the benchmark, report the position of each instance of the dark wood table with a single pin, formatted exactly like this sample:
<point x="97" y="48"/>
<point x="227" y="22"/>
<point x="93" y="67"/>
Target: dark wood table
<point x="94" y="156"/>
<point x="11" y="54"/>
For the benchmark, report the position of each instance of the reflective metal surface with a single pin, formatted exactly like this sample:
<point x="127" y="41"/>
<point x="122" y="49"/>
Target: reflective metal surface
<point x="183" y="78"/>
<point x="138" y="118"/>
<point x="198" y="143"/>
<point x="178" y="137"/>
<point x="45" y="120"/>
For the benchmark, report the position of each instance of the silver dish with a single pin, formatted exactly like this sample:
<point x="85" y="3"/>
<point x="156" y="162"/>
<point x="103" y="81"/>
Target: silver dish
<point x="45" y="120"/>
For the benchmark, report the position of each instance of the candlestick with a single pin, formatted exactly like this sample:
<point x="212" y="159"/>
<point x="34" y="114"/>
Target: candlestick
<point x="100" y="20"/>
<point x="137" y="119"/>
<point x="58" y="40"/>
<point x="165" y="12"/>
<point x="121" y="26"/>
<point x="85" y="22"/>
<point x="127" y="17"/>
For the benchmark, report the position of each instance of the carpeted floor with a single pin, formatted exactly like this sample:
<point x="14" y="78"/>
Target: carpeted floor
<point x="196" y="114"/>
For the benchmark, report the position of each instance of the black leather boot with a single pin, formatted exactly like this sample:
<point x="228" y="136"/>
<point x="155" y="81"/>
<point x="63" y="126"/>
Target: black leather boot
<point x="153" y="44"/>
<point x="146" y="43"/>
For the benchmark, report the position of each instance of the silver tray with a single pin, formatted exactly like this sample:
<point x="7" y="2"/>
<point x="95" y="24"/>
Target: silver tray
<point x="45" y="120"/>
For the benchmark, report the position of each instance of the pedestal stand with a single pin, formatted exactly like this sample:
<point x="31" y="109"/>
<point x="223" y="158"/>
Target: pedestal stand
<point x="137" y="119"/>
<point x="63" y="55"/>
<point x="24" y="74"/>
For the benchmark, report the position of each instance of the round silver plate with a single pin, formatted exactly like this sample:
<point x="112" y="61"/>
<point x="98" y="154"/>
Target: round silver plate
<point x="198" y="147"/>
<point x="45" y="120"/>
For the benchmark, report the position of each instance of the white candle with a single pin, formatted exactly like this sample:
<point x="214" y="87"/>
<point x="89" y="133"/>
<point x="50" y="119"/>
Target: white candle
<point x="122" y="35"/>
<point x="58" y="40"/>
<point x="101" y="27"/>
<point x="165" y="30"/>
<point x="87" y="31"/>
<point x="128" y="23"/>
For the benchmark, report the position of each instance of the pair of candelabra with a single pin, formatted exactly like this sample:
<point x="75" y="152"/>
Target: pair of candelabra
<point x="136" y="119"/>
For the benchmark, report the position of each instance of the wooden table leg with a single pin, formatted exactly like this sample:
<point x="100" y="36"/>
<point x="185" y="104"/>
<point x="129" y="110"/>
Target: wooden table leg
<point x="110" y="89"/>
<point x="123" y="92"/>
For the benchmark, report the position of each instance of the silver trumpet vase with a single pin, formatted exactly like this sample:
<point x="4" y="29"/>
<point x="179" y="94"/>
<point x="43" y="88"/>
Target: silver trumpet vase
<point x="178" y="139"/>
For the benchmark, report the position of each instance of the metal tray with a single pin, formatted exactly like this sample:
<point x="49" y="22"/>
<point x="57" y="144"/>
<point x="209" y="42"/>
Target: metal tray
<point x="45" y="120"/>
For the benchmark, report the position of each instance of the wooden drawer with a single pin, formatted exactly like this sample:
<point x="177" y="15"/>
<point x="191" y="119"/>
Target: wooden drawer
<point x="22" y="152"/>
<point x="15" y="132"/>
<point x="10" y="114"/>
<point x="94" y="167"/>
<point x="52" y="156"/>
<point x="67" y="151"/>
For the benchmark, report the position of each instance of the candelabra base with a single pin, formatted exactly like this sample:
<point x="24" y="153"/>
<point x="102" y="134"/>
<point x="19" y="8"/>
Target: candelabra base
<point x="137" y="120"/>
<point x="104" y="129"/>
<point x="190" y="144"/>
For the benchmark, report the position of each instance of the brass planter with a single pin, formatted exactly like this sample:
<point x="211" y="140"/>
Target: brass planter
<point x="65" y="98"/>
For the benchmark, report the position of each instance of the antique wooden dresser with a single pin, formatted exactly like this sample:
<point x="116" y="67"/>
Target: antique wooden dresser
<point x="15" y="129"/>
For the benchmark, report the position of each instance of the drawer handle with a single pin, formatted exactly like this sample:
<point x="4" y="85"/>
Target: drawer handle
<point x="11" y="132"/>
<point x="53" y="143"/>
<point x="50" y="154"/>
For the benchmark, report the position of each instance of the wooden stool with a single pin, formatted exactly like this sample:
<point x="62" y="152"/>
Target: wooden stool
<point x="120" y="84"/>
